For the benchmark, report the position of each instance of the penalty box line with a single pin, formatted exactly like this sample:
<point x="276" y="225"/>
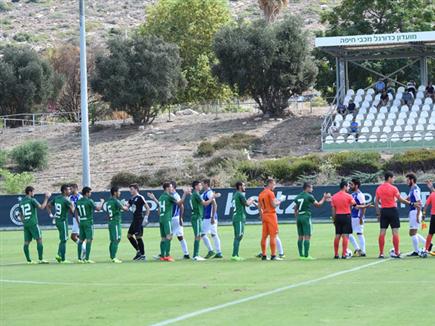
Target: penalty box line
<point x="265" y="294"/>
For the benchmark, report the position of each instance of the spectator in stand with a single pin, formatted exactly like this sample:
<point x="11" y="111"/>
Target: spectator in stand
<point x="407" y="98"/>
<point x="430" y="91"/>
<point x="353" y="129"/>
<point x="384" y="99"/>
<point x="351" y="108"/>
<point x="412" y="87"/>
<point x="341" y="109"/>
<point x="333" y="129"/>
<point x="390" y="89"/>
<point x="379" y="86"/>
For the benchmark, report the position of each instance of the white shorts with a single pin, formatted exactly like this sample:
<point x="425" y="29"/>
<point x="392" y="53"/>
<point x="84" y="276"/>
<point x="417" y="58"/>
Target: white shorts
<point x="75" y="227"/>
<point x="356" y="227"/>
<point x="413" y="225"/>
<point x="208" y="228"/>
<point x="177" y="229"/>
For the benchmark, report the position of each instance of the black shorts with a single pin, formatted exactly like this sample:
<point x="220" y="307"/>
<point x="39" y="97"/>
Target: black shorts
<point x="432" y="225"/>
<point x="390" y="217"/>
<point x="343" y="224"/>
<point x="136" y="227"/>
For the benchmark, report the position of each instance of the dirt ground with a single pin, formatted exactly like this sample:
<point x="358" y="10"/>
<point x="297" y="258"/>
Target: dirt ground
<point x="115" y="148"/>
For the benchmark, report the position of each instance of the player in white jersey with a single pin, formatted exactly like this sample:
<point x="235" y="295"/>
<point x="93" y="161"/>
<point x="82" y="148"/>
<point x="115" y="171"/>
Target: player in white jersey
<point x="357" y="216"/>
<point x="415" y="215"/>
<point x="74" y="197"/>
<point x="177" y="222"/>
<point x="210" y="223"/>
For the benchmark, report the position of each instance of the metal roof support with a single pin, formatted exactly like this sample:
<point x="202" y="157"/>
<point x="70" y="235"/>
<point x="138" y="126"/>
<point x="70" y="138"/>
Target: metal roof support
<point x="423" y="71"/>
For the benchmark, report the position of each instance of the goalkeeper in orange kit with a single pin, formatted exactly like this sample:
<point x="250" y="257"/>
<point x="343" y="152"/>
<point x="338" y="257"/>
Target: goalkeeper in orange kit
<point x="267" y="204"/>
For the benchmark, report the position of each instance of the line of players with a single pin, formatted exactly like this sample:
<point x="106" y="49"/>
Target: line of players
<point x="348" y="212"/>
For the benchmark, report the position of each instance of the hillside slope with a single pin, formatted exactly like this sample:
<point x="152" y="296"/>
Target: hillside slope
<point x="163" y="145"/>
<point x="46" y="23"/>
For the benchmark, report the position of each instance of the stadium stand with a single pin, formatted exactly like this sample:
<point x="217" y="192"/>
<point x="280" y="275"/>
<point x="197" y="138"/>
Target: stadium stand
<point x="393" y="125"/>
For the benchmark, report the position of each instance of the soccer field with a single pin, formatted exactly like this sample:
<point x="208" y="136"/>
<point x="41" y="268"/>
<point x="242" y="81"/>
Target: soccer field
<point x="359" y="291"/>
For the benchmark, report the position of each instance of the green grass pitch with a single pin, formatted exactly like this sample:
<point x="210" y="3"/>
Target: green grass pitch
<point x="399" y="292"/>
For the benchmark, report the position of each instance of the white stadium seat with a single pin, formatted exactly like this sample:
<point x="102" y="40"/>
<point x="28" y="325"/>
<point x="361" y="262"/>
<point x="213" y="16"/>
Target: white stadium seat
<point x="398" y="129"/>
<point x="428" y="136"/>
<point x="389" y="122"/>
<point x="368" y="123"/>
<point x="343" y="131"/>
<point x="380" y="116"/>
<point x="417" y="137"/>
<point x="376" y="102"/>
<point x="411" y="121"/>
<point x="345" y="124"/>
<point x="386" y="129"/>
<point x="401" y="89"/>
<point x="420" y="95"/>
<point x="359" y="117"/>
<point x="373" y="110"/>
<point x="395" y="138"/>
<point x="373" y="139"/>
<point x="432" y="120"/>
<point x="358" y="99"/>
<point x="362" y="139"/>
<point x="400" y="122"/>
<point x="383" y="109"/>
<point x="394" y="109"/>
<point x="428" y="101"/>
<point x="339" y="140"/>
<point x="431" y="127"/>
<point x="409" y="128"/>
<point x="379" y="123"/>
<point x="350" y="139"/>
<point x="422" y="121"/>
<point x="426" y="107"/>
<point x="370" y="116"/>
<point x="419" y="127"/>
<point x="421" y="88"/>
<point x="365" y="130"/>
<point x="383" y="138"/>
<point x="399" y="96"/>
<point x="403" y="115"/>
<point x="360" y="92"/>
<point x="424" y="114"/>
<point x="350" y="92"/>
<point x="406" y="137"/>
<point x="413" y="115"/>
<point x="404" y="108"/>
<point x="371" y="91"/>
<point x="338" y="118"/>
<point x="392" y="115"/>
<point x="418" y="102"/>
<point x="415" y="108"/>
<point x="329" y="140"/>
<point x="376" y="129"/>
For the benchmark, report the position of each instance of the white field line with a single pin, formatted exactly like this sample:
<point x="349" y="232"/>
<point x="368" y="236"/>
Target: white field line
<point x="265" y="294"/>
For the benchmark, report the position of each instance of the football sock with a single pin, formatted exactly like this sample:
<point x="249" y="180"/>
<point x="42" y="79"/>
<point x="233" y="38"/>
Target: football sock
<point x="133" y="243"/>
<point x="79" y="250"/>
<point x="207" y="243"/>
<point x="168" y="248"/>
<point x="236" y="245"/>
<point x="88" y="249"/>
<point x="428" y="241"/>
<point x="414" y="239"/>
<point x="273" y="245"/>
<point x="381" y="241"/>
<point x="141" y="246"/>
<point x="396" y="242"/>
<point x="111" y="250"/>
<point x="421" y="239"/>
<point x="26" y="252"/>
<point x="62" y="249"/>
<point x="353" y="242"/>
<point x="217" y="243"/>
<point x="279" y="246"/>
<point x="183" y="244"/>
<point x="345" y="245"/>
<point x="336" y="245"/>
<point x="40" y="249"/>
<point x="306" y="247"/>
<point x="362" y="242"/>
<point x="300" y="248"/>
<point x="196" y="248"/>
<point x="162" y="248"/>
<point x="263" y="245"/>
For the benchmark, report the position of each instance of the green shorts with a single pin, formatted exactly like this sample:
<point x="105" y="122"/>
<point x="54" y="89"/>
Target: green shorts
<point x="86" y="231"/>
<point x="239" y="229"/>
<point x="165" y="228"/>
<point x="62" y="227"/>
<point x="32" y="232"/>
<point x="115" y="231"/>
<point x="304" y="225"/>
<point x="197" y="227"/>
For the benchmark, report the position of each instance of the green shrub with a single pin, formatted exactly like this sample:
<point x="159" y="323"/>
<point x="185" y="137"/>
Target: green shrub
<point x="280" y="169"/>
<point x="205" y="149"/>
<point x="235" y="141"/>
<point x="4" y="6"/>
<point x="347" y="163"/>
<point x="415" y="160"/>
<point x="303" y="167"/>
<point x="3" y="158"/>
<point x="124" y="179"/>
<point x="31" y="155"/>
<point x="14" y="183"/>
<point x="254" y="170"/>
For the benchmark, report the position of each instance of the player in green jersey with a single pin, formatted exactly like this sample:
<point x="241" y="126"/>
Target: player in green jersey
<point x="165" y="208"/>
<point x="198" y="204"/>
<point x="239" y="217"/>
<point x="29" y="216"/>
<point x="85" y="210"/>
<point x="302" y="210"/>
<point x="62" y="206"/>
<point x="114" y="208"/>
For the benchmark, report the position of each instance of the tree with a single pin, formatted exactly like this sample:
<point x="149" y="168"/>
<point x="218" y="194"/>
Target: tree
<point x="354" y="17"/>
<point x="269" y="62"/>
<point x="26" y="80"/>
<point x="139" y="75"/>
<point x="272" y="8"/>
<point x="192" y="25"/>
